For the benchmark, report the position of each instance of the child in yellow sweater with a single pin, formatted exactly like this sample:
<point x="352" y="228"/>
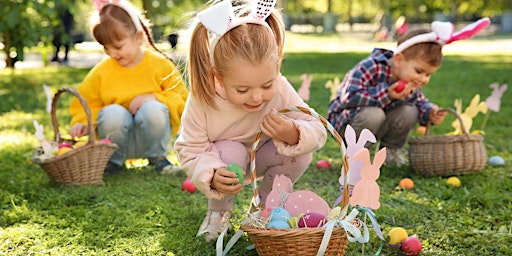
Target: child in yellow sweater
<point x="136" y="95"/>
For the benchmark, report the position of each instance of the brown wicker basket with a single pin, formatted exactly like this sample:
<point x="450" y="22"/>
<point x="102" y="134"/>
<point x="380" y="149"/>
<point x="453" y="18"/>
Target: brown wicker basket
<point x="295" y="241"/>
<point x="81" y="166"/>
<point x="446" y="155"/>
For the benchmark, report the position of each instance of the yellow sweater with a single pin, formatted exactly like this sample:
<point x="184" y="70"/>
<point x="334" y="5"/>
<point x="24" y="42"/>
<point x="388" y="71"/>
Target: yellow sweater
<point x="108" y="83"/>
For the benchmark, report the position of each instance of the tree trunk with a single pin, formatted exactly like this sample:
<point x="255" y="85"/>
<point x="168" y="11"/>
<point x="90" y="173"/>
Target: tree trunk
<point x="9" y="63"/>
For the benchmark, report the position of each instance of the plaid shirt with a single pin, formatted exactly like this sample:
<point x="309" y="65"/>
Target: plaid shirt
<point x="367" y="85"/>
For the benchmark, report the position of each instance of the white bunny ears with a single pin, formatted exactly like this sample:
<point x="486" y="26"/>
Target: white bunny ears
<point x="125" y="5"/>
<point x="442" y="33"/>
<point x="220" y="18"/>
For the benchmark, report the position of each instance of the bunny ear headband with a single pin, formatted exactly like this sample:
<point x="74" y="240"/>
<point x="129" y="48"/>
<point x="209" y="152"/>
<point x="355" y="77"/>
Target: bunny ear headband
<point x="125" y="5"/>
<point x="442" y="33"/>
<point x="220" y="18"/>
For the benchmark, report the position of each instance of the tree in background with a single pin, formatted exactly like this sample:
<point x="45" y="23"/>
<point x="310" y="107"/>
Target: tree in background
<point x="22" y="24"/>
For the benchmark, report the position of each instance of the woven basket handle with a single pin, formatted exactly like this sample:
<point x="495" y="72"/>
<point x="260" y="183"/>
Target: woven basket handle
<point x="255" y="200"/>
<point x="462" y="127"/>
<point x="58" y="138"/>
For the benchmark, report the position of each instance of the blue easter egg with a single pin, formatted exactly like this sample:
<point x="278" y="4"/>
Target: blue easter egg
<point x="496" y="161"/>
<point x="278" y="224"/>
<point x="279" y="213"/>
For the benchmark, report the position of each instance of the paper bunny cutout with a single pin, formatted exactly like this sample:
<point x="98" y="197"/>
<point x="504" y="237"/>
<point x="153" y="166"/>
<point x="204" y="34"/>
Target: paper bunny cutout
<point x="442" y="33"/>
<point x="475" y="106"/>
<point x="366" y="191"/>
<point x="39" y="134"/>
<point x="304" y="88"/>
<point x="494" y="100"/>
<point x="333" y="86"/>
<point x="354" y="146"/>
<point x="301" y="201"/>
<point x="49" y="98"/>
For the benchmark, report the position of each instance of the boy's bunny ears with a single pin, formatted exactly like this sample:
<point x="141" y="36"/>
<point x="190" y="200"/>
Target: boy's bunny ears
<point x="442" y="33"/>
<point x="220" y="18"/>
<point x="125" y="5"/>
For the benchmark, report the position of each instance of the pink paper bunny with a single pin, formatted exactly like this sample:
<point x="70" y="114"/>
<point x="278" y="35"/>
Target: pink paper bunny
<point x="475" y="106"/>
<point x="304" y="88"/>
<point x="494" y="101"/>
<point x="366" y="191"/>
<point x="302" y="201"/>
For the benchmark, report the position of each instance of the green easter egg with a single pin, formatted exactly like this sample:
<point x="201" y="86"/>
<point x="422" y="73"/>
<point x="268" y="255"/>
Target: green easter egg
<point x="237" y="170"/>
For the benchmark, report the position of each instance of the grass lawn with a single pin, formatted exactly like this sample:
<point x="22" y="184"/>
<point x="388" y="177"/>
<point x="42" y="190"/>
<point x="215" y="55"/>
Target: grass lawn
<point x="142" y="213"/>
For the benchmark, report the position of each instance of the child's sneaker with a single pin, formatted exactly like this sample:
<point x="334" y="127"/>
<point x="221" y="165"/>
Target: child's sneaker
<point x="163" y="166"/>
<point x="113" y="168"/>
<point x="213" y="224"/>
<point x="395" y="157"/>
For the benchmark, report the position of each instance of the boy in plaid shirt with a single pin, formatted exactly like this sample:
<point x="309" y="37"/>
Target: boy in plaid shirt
<point x="372" y="94"/>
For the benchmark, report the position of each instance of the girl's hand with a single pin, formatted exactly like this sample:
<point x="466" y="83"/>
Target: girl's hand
<point x="226" y="182"/>
<point x="436" y="116"/>
<point x="78" y="130"/>
<point x="399" y="92"/>
<point x="280" y="128"/>
<point x="138" y="101"/>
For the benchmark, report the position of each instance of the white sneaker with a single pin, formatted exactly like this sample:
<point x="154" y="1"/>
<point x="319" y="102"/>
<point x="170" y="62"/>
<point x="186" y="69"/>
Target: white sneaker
<point x="395" y="157"/>
<point x="213" y="224"/>
<point x="170" y="169"/>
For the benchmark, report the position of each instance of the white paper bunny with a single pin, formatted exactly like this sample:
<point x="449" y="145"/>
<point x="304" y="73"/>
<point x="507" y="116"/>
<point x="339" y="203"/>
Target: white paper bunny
<point x="366" y="191"/>
<point x="354" y="146"/>
<point x="304" y="88"/>
<point x="494" y="101"/>
<point x="39" y="134"/>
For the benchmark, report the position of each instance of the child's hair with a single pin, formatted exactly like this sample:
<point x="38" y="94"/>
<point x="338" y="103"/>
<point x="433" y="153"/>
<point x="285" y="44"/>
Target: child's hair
<point x="115" y="24"/>
<point x="247" y="43"/>
<point x="430" y="52"/>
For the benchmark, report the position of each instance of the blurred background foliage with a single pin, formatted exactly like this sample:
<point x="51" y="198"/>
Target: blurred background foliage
<point x="28" y="23"/>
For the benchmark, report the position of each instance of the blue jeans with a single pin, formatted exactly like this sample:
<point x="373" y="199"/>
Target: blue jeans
<point x="145" y="134"/>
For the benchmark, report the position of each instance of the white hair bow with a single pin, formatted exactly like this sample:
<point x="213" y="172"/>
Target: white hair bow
<point x="442" y="33"/>
<point x="220" y="18"/>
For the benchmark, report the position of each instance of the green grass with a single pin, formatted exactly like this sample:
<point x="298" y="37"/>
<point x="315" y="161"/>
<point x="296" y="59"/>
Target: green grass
<point x="142" y="213"/>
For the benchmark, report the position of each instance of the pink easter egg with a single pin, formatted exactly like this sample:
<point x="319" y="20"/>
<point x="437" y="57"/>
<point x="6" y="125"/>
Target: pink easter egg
<point x="323" y="164"/>
<point x="188" y="186"/>
<point x="265" y="213"/>
<point x="312" y="220"/>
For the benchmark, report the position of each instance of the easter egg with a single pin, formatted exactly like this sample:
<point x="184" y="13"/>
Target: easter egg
<point x="237" y="170"/>
<point x="401" y="86"/>
<point x="411" y="246"/>
<point x="334" y="213"/>
<point x="397" y="235"/>
<point x="421" y="130"/>
<point x="406" y="183"/>
<point x="496" y="161"/>
<point x="63" y="150"/>
<point x="453" y="181"/>
<point x="187" y="185"/>
<point x="79" y="144"/>
<point x="279" y="213"/>
<point x="278" y="224"/>
<point x="64" y="145"/>
<point x="312" y="220"/>
<point x="323" y="164"/>
<point x="265" y="213"/>
<point x="105" y="140"/>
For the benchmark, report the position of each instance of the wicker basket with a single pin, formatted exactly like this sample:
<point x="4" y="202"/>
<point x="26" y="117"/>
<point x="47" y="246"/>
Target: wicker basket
<point x="294" y="241"/>
<point x="446" y="155"/>
<point x="81" y="166"/>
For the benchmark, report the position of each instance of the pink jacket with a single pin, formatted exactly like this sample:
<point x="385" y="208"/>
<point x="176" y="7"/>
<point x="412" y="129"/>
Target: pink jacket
<point x="203" y="125"/>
